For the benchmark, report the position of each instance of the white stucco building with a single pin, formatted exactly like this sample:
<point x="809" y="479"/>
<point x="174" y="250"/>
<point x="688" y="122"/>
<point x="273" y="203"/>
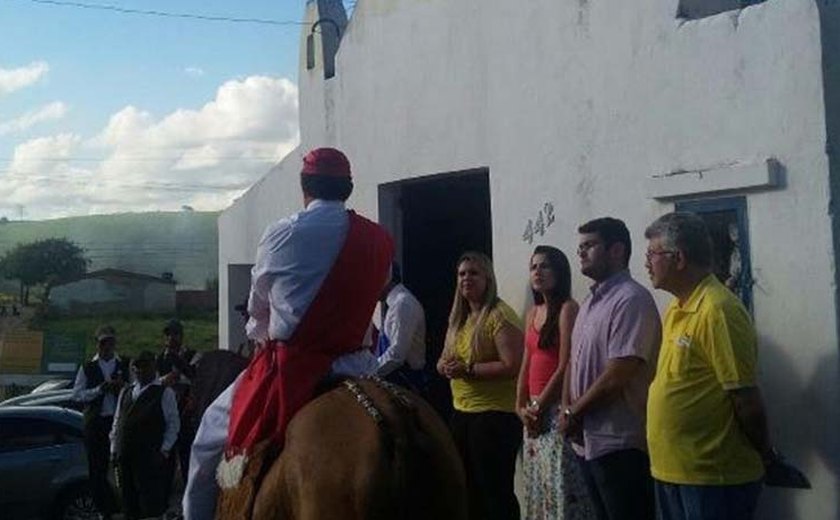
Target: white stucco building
<point x="498" y="125"/>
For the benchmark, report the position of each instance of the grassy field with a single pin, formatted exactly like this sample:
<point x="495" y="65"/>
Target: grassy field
<point x="135" y="333"/>
<point x="184" y="243"/>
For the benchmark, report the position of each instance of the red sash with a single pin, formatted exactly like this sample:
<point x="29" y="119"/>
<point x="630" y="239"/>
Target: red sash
<point x="282" y="377"/>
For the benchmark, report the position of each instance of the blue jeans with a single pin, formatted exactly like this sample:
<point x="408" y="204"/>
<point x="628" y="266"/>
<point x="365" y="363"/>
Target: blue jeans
<point x="686" y="502"/>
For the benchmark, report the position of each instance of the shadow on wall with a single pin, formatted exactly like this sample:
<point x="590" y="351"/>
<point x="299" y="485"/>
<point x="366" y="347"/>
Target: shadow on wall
<point x="804" y="417"/>
<point x="820" y="427"/>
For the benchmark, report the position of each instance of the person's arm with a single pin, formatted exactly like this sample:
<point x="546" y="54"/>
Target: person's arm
<point x="400" y="326"/>
<point x="752" y="419"/>
<point x="609" y="384"/>
<point x="523" y="393"/>
<point x="528" y="416"/>
<point x="634" y="332"/>
<point x="554" y="388"/>
<point x="258" y="307"/>
<point x="508" y="343"/>
<point x="80" y="392"/>
<point x="172" y="420"/>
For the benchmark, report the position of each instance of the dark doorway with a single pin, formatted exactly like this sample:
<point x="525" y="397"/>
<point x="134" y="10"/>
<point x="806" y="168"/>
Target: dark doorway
<point x="434" y="220"/>
<point x="239" y="286"/>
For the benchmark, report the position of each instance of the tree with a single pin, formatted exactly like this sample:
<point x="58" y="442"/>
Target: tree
<point x="43" y="263"/>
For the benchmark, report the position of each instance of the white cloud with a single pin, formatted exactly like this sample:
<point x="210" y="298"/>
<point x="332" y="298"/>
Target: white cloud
<point x="38" y="154"/>
<point x="50" y="112"/>
<point x="195" y="72"/>
<point x="22" y="77"/>
<point x="202" y="157"/>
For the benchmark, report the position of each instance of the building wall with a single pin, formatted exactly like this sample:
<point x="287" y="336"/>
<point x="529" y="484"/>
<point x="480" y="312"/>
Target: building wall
<point x="95" y="295"/>
<point x="580" y="104"/>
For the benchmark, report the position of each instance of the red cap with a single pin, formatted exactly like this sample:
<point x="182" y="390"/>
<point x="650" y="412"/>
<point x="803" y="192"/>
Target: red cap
<point x="326" y="161"/>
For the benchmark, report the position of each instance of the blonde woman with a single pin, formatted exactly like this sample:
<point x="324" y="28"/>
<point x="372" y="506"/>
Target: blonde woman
<point x="481" y="359"/>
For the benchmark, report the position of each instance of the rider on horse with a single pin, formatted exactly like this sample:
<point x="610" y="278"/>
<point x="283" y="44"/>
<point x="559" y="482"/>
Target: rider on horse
<point x="314" y="286"/>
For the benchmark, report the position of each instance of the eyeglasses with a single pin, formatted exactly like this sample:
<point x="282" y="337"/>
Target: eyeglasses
<point x="650" y="254"/>
<point x="586" y="246"/>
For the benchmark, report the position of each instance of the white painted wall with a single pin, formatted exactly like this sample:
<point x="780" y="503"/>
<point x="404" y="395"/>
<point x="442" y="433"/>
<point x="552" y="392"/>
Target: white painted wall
<point x="577" y="104"/>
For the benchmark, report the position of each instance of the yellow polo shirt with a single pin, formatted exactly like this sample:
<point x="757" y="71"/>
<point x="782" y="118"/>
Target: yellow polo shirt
<point x="473" y="395"/>
<point x="708" y="348"/>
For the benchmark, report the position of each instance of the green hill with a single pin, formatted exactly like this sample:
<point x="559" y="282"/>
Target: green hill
<point x="184" y="243"/>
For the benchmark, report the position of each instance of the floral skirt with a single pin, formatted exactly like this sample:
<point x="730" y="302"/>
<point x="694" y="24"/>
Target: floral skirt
<point x="554" y="485"/>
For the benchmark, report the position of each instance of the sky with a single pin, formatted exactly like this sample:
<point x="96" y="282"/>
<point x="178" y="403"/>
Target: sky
<point x="108" y="112"/>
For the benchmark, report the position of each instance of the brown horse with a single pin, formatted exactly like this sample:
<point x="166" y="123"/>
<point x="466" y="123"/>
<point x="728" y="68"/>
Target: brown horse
<point x="363" y="450"/>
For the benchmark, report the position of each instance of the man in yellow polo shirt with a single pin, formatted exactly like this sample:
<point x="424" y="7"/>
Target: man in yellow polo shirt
<point x="706" y="429"/>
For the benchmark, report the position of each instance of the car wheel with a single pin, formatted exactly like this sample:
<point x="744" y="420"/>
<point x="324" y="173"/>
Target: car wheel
<point x="76" y="504"/>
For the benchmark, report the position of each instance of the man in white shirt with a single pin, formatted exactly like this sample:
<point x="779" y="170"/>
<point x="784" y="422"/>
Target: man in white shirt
<point x="314" y="286"/>
<point x="145" y="428"/>
<point x="97" y="384"/>
<point x="401" y="348"/>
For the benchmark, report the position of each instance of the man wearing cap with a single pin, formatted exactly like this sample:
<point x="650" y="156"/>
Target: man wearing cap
<point x="145" y="427"/>
<point x="314" y="285"/>
<point x="175" y="370"/>
<point x="97" y="384"/>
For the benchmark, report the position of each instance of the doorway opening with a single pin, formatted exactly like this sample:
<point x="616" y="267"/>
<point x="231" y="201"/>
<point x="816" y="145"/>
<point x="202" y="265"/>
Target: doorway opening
<point x="239" y="287"/>
<point x="433" y="220"/>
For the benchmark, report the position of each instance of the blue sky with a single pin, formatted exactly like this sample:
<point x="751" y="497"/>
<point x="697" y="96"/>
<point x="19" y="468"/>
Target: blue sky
<point x="106" y="112"/>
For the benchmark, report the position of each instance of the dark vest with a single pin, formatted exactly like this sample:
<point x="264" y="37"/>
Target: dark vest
<point x="141" y="423"/>
<point x="95" y="377"/>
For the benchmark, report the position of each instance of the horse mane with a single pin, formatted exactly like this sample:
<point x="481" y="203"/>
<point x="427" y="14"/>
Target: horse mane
<point x="407" y="446"/>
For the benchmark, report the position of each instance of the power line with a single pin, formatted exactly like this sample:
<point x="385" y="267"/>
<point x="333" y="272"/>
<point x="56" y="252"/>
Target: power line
<point x="168" y="14"/>
<point x="136" y="158"/>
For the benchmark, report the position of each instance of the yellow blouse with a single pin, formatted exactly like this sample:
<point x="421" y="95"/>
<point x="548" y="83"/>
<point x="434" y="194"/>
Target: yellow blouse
<point x="472" y="395"/>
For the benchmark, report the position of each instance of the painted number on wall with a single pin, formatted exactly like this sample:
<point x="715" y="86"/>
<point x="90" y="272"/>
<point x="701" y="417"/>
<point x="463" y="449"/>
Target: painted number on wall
<point x="544" y="220"/>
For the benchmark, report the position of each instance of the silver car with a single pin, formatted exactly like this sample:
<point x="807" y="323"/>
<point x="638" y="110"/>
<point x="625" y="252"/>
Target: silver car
<point x="63" y="398"/>
<point x="43" y="468"/>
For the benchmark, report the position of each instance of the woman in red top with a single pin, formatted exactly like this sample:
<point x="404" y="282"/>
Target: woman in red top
<point x="554" y="488"/>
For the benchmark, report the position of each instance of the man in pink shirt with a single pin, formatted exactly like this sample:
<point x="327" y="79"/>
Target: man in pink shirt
<point x="615" y="343"/>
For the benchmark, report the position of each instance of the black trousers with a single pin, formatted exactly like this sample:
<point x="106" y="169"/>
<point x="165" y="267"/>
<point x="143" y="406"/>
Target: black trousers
<point x="488" y="443"/>
<point x="143" y="483"/>
<point x="98" y="448"/>
<point x="620" y="485"/>
<point x="184" y="446"/>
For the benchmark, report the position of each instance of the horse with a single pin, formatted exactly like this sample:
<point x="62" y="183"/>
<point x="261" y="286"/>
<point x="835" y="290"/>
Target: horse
<point x="361" y="449"/>
<point x="215" y="370"/>
<point x="365" y="450"/>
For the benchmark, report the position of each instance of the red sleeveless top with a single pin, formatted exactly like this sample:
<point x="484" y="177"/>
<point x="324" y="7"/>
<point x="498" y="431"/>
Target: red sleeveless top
<point x="541" y="362"/>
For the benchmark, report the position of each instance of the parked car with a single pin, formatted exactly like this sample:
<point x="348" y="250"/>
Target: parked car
<point x="43" y="467"/>
<point x="61" y="398"/>
<point x="53" y="384"/>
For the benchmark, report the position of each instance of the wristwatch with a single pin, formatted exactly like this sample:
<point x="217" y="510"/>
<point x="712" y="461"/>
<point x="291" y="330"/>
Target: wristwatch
<point x="569" y="414"/>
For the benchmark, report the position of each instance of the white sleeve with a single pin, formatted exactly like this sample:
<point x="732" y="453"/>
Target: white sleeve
<point x="262" y="280"/>
<point x="199" y="502"/>
<point x="171" y="418"/>
<point x="80" y="393"/>
<point x="401" y="324"/>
